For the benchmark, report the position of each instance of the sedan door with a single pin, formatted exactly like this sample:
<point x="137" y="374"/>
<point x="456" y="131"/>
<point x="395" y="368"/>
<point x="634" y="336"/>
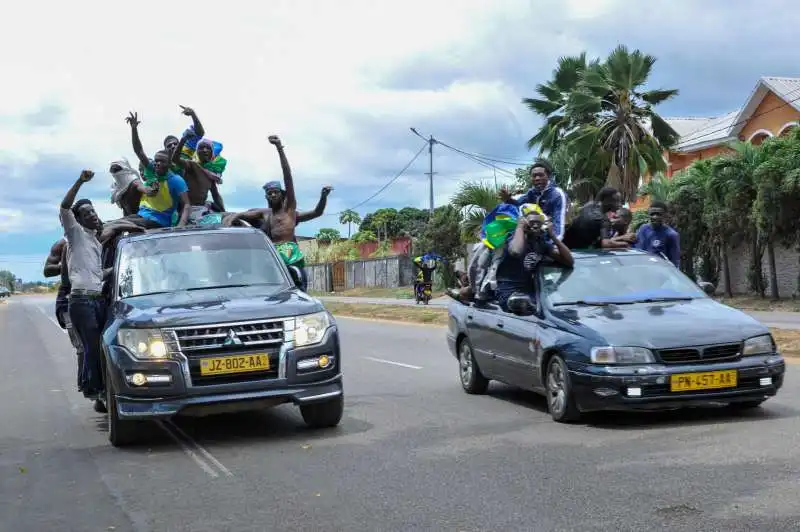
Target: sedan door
<point x="516" y="338"/>
<point x="480" y="331"/>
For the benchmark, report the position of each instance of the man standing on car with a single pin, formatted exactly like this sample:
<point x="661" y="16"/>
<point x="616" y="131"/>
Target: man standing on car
<point x="657" y="237"/>
<point x="87" y="310"/>
<point x="543" y="192"/>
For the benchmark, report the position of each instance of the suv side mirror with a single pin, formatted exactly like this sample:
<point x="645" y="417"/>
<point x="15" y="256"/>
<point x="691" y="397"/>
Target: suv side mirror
<point x="297" y="277"/>
<point x="520" y="304"/>
<point x="707" y="287"/>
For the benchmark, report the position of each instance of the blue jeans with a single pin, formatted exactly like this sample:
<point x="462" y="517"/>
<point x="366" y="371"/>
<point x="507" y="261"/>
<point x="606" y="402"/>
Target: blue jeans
<point x="88" y="315"/>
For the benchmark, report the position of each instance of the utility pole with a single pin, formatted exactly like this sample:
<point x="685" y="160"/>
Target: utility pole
<point x="431" y="141"/>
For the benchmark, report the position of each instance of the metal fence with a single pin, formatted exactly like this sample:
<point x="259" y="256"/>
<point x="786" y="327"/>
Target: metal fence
<point x="387" y="272"/>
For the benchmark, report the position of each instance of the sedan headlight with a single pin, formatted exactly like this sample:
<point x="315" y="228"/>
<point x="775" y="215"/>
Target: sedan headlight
<point x="310" y="329"/>
<point x="622" y="355"/>
<point x="144" y="344"/>
<point x="758" y="345"/>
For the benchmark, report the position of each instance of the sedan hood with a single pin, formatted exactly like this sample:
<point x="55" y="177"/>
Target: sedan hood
<point x="214" y="306"/>
<point x="661" y="325"/>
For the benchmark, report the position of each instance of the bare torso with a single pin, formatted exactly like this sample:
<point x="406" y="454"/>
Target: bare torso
<point x="198" y="182"/>
<point x="279" y="225"/>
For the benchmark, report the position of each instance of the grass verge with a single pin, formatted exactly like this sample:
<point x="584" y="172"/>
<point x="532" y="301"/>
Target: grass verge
<point x="403" y="292"/>
<point x="788" y="340"/>
<point x="759" y="304"/>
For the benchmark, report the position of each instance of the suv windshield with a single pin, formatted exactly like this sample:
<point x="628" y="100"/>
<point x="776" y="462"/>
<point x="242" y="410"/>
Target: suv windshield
<point x="617" y="279"/>
<point x="197" y="261"/>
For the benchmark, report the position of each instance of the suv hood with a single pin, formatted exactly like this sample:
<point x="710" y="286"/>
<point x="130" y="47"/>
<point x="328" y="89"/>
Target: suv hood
<point x="661" y="325"/>
<point x="216" y="305"/>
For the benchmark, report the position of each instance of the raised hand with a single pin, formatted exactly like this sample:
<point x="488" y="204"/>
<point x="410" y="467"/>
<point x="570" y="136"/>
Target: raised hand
<point x="133" y="119"/>
<point x="275" y="140"/>
<point x="327" y="189"/>
<point x="504" y="193"/>
<point x="86" y="176"/>
<point x="188" y="111"/>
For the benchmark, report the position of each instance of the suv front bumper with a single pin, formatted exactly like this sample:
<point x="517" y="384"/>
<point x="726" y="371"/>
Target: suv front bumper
<point x="175" y="393"/>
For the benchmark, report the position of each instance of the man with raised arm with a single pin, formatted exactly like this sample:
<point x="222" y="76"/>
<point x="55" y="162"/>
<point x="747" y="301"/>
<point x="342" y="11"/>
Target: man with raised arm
<point x="87" y="308"/>
<point x="199" y="177"/>
<point x="162" y="190"/>
<point x="171" y="141"/>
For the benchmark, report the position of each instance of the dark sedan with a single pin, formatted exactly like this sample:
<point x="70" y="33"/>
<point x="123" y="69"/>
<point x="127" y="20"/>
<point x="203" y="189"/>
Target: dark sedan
<point x="622" y="330"/>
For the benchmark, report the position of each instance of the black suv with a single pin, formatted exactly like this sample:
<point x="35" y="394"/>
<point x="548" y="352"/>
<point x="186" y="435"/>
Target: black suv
<point x="209" y="319"/>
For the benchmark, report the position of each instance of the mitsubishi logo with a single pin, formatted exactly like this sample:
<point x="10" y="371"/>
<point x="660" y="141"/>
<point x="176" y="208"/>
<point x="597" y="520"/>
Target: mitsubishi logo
<point x="232" y="338"/>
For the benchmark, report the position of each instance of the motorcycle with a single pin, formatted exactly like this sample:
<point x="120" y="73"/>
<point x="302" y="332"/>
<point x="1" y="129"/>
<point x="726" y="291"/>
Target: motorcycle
<point x="423" y="291"/>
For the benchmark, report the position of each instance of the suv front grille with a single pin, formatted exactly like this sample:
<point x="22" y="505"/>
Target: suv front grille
<point x="700" y="354"/>
<point x="230" y="338"/>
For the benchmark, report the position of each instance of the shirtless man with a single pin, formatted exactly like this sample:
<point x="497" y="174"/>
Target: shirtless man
<point x="199" y="180"/>
<point x="279" y="220"/>
<point x="171" y="141"/>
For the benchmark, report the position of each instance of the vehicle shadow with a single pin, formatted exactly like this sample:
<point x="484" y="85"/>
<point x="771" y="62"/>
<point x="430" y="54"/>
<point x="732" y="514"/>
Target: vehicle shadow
<point x="282" y="423"/>
<point x="646" y="420"/>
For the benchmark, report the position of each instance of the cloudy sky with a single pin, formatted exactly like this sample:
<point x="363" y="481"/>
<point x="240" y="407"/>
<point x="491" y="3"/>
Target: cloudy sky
<point x="341" y="82"/>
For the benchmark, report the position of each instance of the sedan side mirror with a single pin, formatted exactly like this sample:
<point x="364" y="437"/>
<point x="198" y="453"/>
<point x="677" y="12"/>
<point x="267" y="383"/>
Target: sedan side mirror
<point x="707" y="287"/>
<point x="297" y="277"/>
<point x="520" y="304"/>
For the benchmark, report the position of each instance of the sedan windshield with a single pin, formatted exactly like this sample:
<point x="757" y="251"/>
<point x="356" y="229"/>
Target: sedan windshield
<point x="617" y="279"/>
<point x="196" y="262"/>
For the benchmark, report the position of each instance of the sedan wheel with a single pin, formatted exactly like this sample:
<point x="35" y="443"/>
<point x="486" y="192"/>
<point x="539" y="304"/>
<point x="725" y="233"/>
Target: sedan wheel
<point x="560" y="400"/>
<point x="472" y="380"/>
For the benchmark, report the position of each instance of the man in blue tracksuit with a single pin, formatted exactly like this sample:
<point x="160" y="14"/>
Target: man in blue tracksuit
<point x="543" y="192"/>
<point x="657" y="237"/>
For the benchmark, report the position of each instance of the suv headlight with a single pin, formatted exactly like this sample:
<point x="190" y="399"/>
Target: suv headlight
<point x="622" y="355"/>
<point x="144" y="344"/>
<point x="310" y="329"/>
<point x="758" y="345"/>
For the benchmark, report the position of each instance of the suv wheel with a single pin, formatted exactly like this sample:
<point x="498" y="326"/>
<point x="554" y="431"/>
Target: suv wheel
<point x="324" y="414"/>
<point x="472" y="380"/>
<point x="560" y="399"/>
<point x="121" y="432"/>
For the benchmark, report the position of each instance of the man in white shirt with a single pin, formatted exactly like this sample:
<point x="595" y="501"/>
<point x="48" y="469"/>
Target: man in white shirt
<point x="87" y="308"/>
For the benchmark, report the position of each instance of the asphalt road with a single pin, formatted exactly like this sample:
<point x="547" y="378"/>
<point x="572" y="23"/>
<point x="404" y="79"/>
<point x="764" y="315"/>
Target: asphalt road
<point x="413" y="452"/>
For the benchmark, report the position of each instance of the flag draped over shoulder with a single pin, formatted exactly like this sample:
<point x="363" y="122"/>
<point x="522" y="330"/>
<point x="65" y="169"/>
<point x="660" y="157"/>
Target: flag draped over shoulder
<point x="499" y="224"/>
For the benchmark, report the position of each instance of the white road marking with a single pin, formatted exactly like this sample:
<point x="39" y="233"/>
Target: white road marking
<point x="409" y="366"/>
<point x="202" y="450"/>
<point x="52" y="320"/>
<point x="193" y="450"/>
<point x="188" y="450"/>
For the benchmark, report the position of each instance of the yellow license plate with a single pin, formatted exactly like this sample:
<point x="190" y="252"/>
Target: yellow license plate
<point x="234" y="364"/>
<point x="712" y="380"/>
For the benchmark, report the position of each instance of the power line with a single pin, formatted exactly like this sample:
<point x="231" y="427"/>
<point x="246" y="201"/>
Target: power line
<point x="475" y="159"/>
<point x="384" y="187"/>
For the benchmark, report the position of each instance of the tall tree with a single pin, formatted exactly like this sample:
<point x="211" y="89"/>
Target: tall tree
<point x="349" y="217"/>
<point x="623" y="121"/>
<point x="326" y="234"/>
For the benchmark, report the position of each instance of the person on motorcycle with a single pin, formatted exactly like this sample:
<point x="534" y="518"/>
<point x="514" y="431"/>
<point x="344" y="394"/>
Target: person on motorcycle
<point x="426" y="264"/>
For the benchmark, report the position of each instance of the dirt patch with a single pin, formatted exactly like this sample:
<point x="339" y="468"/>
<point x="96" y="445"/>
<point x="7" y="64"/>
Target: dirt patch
<point x="764" y="305"/>
<point x="408" y="314"/>
<point x="788" y="341"/>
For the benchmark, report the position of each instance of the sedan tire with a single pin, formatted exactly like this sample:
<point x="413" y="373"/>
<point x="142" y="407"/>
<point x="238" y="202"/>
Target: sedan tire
<point x="560" y="399"/>
<point x="472" y="380"/>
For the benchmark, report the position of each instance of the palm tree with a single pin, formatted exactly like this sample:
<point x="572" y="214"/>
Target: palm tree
<point x="474" y="199"/>
<point x="553" y="102"/>
<point x="624" y="123"/>
<point x="731" y="192"/>
<point x="349" y="217"/>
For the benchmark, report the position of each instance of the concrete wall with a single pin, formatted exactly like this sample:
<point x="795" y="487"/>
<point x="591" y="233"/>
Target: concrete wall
<point x="387" y="272"/>
<point x="787" y="265"/>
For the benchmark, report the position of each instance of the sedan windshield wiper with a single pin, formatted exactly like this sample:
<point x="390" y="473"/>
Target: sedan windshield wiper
<point x="663" y="299"/>
<point x="583" y="302"/>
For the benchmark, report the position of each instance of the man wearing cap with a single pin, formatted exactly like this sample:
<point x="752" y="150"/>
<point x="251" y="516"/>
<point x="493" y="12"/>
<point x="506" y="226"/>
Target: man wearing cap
<point x="279" y="220"/>
<point x="87" y="309"/>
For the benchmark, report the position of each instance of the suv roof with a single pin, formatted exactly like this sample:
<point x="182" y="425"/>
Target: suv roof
<point x="167" y="232"/>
